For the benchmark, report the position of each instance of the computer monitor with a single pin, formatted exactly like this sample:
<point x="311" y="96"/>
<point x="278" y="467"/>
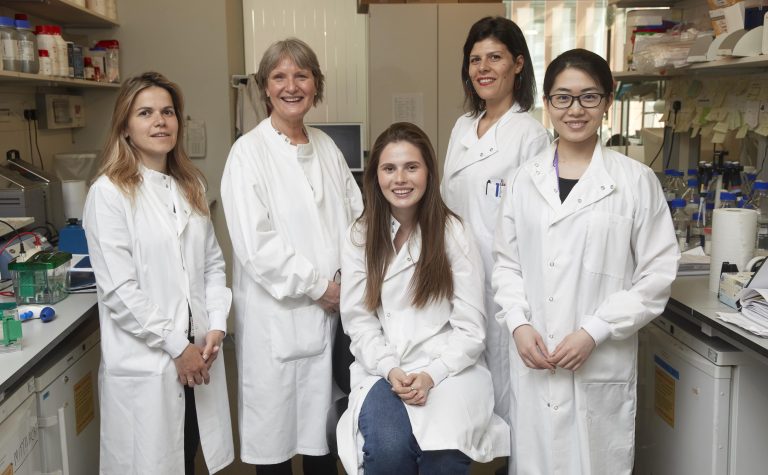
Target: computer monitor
<point x="348" y="136"/>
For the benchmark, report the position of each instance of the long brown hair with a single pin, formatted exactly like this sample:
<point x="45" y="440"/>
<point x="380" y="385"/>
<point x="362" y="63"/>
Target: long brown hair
<point x="433" y="279"/>
<point x="120" y="159"/>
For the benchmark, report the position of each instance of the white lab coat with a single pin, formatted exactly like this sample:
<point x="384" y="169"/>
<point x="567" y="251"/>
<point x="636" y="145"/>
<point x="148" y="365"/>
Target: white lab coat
<point x="287" y="210"/>
<point x="602" y="260"/>
<point x="470" y="163"/>
<point x="151" y="268"/>
<point x="445" y="339"/>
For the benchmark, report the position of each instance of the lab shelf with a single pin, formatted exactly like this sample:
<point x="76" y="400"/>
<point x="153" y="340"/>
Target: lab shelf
<point x="11" y="76"/>
<point x="726" y="66"/>
<point x="61" y="12"/>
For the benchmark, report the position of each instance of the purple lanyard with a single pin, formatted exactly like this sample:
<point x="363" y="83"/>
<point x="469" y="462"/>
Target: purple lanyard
<point x="556" y="163"/>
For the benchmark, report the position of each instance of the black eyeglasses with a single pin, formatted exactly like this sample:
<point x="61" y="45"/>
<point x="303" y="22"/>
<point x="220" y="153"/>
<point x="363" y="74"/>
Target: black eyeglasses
<point x="589" y="100"/>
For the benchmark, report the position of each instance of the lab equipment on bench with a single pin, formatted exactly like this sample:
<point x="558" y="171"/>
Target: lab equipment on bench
<point x="72" y="238"/>
<point x="15" y="168"/>
<point x="42" y="278"/>
<point x="10" y="329"/>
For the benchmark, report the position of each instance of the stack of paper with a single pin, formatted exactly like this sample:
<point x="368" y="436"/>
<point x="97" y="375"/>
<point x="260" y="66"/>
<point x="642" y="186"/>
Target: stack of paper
<point x="754" y="307"/>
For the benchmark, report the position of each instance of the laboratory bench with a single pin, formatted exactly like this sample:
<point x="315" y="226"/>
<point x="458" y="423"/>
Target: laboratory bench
<point x="692" y="299"/>
<point x="76" y="314"/>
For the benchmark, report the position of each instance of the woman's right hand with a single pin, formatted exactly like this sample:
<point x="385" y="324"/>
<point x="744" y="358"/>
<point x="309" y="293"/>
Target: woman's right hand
<point x="191" y="367"/>
<point x="531" y="347"/>
<point x="401" y="383"/>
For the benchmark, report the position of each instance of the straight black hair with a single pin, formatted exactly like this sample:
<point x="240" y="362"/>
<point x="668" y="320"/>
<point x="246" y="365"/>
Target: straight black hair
<point x="506" y="31"/>
<point x="590" y="63"/>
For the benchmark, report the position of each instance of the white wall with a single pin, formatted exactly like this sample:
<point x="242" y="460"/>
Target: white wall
<point x="195" y="43"/>
<point x="337" y="34"/>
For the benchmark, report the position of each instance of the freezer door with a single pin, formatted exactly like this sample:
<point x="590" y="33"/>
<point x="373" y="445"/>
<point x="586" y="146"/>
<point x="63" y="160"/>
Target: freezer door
<point x="687" y="399"/>
<point x="19" y="436"/>
<point x="69" y="418"/>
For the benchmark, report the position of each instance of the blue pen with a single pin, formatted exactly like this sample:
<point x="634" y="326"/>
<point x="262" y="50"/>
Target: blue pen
<point x="498" y="185"/>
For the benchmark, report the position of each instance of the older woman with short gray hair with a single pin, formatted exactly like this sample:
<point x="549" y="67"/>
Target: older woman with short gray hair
<point x="289" y="197"/>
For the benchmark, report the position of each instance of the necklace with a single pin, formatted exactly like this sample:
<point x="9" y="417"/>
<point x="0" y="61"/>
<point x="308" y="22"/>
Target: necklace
<point x="285" y="137"/>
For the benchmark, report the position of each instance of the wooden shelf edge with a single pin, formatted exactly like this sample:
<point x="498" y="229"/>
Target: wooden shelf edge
<point x="62" y="12"/>
<point x="54" y="81"/>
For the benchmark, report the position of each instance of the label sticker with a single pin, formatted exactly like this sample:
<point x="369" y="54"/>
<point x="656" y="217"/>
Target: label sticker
<point x="664" y="390"/>
<point x="84" y="404"/>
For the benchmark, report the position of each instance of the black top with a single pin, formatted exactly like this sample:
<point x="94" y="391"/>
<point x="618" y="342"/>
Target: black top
<point x="565" y="185"/>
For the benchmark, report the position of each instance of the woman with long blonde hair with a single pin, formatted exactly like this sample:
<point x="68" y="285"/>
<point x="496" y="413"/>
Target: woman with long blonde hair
<point x="161" y="287"/>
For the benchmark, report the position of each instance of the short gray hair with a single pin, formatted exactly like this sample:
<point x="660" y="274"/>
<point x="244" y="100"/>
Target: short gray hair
<point x="297" y="51"/>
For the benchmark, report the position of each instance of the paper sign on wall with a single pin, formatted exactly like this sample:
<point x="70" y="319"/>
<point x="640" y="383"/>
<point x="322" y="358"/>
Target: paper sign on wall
<point x="408" y="107"/>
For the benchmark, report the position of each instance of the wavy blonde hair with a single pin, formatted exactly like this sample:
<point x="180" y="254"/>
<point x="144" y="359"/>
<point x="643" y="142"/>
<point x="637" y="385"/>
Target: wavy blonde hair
<point x="120" y="159"/>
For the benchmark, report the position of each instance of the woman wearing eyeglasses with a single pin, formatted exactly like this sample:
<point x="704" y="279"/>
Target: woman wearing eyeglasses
<point x="585" y="255"/>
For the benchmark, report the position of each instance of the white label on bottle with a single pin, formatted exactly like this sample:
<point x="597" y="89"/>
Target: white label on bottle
<point x="27" y="49"/>
<point x="9" y="49"/>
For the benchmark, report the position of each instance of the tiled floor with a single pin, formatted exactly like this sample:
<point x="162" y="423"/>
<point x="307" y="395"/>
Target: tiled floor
<point x="239" y="468"/>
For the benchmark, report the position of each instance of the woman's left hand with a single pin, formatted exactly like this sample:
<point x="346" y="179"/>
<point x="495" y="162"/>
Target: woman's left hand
<point x="420" y="387"/>
<point x="213" y="341"/>
<point x="573" y="351"/>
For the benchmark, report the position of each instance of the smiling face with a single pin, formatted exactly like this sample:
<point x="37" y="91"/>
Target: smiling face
<point x="402" y="175"/>
<point x="492" y="69"/>
<point x="291" y="91"/>
<point x="152" y="126"/>
<point x="576" y="124"/>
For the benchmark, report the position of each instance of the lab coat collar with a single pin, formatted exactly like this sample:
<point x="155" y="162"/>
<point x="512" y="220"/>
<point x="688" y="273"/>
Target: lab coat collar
<point x="486" y="146"/>
<point x="594" y="185"/>
<point x="409" y="253"/>
<point x="162" y="184"/>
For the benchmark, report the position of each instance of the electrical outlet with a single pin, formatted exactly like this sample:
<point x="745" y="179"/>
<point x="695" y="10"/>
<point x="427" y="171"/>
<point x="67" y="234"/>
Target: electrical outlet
<point x="30" y="114"/>
<point x="5" y="115"/>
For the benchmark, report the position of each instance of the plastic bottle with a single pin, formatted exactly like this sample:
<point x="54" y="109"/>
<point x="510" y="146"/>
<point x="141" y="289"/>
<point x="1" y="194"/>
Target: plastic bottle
<point x="692" y="195"/>
<point x="681" y="222"/>
<point x="727" y="200"/>
<point x="9" y="44"/>
<point x="88" y="72"/>
<point x="61" y="52"/>
<point x="27" y="47"/>
<point x="46" y="67"/>
<point x="675" y="185"/>
<point x="759" y="202"/>
<point x="98" y="55"/>
<point x="696" y="235"/>
<point x="46" y="42"/>
<point x="111" y="59"/>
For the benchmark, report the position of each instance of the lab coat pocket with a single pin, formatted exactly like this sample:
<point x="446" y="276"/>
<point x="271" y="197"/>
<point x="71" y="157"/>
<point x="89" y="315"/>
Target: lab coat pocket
<point x="298" y="333"/>
<point x="610" y="427"/>
<point x="607" y="244"/>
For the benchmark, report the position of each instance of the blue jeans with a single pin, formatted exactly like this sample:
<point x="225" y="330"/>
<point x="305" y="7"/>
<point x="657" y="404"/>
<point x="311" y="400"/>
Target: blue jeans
<point x="390" y="446"/>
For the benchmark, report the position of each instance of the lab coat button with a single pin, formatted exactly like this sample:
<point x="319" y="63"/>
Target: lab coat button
<point x="482" y="154"/>
<point x="555" y="407"/>
<point x="551" y="336"/>
<point x="579" y="200"/>
<point x="387" y="315"/>
<point x="551" y="264"/>
<point x="602" y="187"/>
<point x="550" y="299"/>
<point x="490" y="149"/>
<point x="408" y="259"/>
